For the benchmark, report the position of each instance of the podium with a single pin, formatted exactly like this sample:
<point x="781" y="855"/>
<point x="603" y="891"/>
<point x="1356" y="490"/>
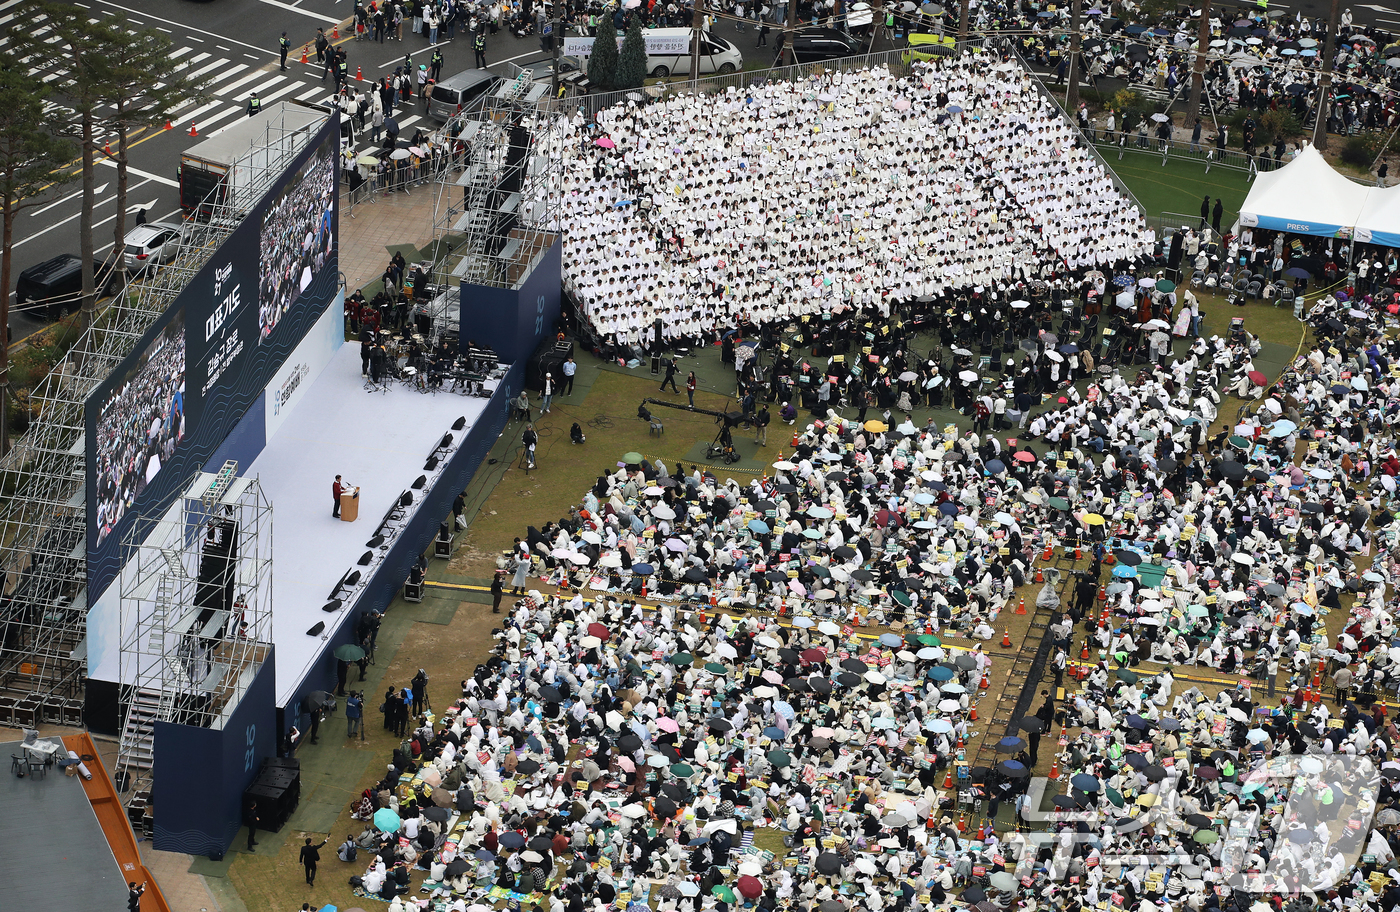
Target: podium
<point x="350" y="504"/>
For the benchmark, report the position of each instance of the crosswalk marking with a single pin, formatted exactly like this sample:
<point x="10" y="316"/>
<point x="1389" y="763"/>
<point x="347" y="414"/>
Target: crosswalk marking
<point x="289" y="87"/>
<point x="228" y="88"/>
<point x="212" y="119"/>
<point x="220" y="62"/>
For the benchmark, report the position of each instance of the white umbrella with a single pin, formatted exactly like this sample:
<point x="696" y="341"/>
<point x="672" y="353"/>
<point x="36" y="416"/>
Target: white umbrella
<point x="400" y="154"/>
<point x="577" y="557"/>
<point x="593" y="538"/>
<point x="661" y="511"/>
<point x="1160" y="118"/>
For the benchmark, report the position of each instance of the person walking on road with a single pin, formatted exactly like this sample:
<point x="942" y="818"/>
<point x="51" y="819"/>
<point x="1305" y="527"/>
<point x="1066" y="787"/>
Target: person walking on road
<point x="321" y="45"/>
<point x="284" y="45"/>
<point x="254" y="105"/>
<point x="435" y="65"/>
<point x="479" y="46"/>
<point x="310" y="854"/>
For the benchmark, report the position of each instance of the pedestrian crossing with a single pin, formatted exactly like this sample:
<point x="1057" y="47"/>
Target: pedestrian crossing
<point x="229" y="83"/>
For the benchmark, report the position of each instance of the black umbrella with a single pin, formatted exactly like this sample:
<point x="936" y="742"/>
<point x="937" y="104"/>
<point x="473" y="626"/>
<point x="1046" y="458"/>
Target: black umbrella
<point x="511" y="840"/>
<point x="775" y="576"/>
<point x="1130" y="558"/>
<point x="1233" y="470"/>
<point x="721" y="725"/>
<point x="965" y="662"/>
<point x="541" y="844"/>
<point x="437" y="813"/>
<point x="664" y="807"/>
<point x="820" y="684"/>
<point x="628" y="743"/>
<point x="791" y="656"/>
<point x="1013" y="769"/>
<point x="528" y="767"/>
<point x="1032" y="724"/>
<point x="845" y="552"/>
<point x="1199" y="821"/>
<point x="828" y="863"/>
<point x="318" y="699"/>
<point x="797" y="685"/>
<point x="855" y="666"/>
<point x="695" y="575"/>
<point x="1166" y="464"/>
<point x="675" y="791"/>
<point x="863" y="576"/>
<point x="457" y="867"/>
<point x="550" y="694"/>
<point x="974" y="894"/>
<point x="847" y="679"/>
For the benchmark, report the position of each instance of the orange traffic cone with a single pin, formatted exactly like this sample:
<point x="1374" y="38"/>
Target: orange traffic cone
<point x="948" y="779"/>
<point x="359" y="77"/>
<point x="714" y="600"/>
<point x="107" y="149"/>
<point x="1006" y="638"/>
<point x="169" y="125"/>
<point x="1021" y="605"/>
<point x="928" y="628"/>
<point x="972" y="712"/>
<point x="702" y="619"/>
<point x="960" y="742"/>
<point x="986" y="681"/>
<point x="1055" y="769"/>
<point x="193" y="131"/>
<point x="1048" y="553"/>
<point x="644" y="589"/>
<point x="1103" y="617"/>
<point x="1039" y="575"/>
<point x="304" y="52"/>
<point x="1103" y="592"/>
<point x="1084" y="653"/>
<point x="962" y="823"/>
<point x="335" y="33"/>
<point x="982" y="831"/>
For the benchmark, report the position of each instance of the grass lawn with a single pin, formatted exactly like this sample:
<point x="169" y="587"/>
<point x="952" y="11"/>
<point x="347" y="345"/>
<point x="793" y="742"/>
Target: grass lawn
<point x="1179" y="186"/>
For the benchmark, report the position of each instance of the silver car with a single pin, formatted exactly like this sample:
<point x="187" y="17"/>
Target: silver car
<point x="151" y="245"/>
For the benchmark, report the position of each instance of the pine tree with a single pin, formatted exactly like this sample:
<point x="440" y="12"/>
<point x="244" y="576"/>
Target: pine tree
<point x="602" y="64"/>
<point x="632" y="63"/>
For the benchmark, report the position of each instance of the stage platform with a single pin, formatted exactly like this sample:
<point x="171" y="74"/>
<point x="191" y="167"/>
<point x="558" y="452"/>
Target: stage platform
<point x="379" y="441"/>
<point x="55" y="844"/>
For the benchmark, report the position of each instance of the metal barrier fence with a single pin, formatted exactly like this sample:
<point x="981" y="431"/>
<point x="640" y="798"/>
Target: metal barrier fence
<point x="1177" y="150"/>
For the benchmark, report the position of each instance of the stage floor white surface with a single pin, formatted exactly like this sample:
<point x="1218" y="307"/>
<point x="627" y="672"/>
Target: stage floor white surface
<point x="378" y="441"/>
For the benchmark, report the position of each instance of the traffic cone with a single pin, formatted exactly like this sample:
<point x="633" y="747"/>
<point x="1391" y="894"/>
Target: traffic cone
<point x="928" y="629"/>
<point x="714" y="600"/>
<point x="193" y="131"/>
<point x="1103" y="618"/>
<point x="1103" y="592"/>
<point x="644" y="590"/>
<point x="1048" y="553"/>
<point x="960" y="742"/>
<point x="1078" y="553"/>
<point x="107" y="149"/>
<point x="1021" y="605"/>
<point x="1006" y="638"/>
<point x="981" y="831"/>
<point x="304" y="52"/>
<point x="962" y="823"/>
<point x="986" y="681"/>
<point x="359" y="77"/>
<point x="1039" y="575"/>
<point x="947" y="780"/>
<point x="972" y="712"/>
<point x="1084" y="653"/>
<point x="1055" y="768"/>
<point x="335" y="33"/>
<point x="168" y="124"/>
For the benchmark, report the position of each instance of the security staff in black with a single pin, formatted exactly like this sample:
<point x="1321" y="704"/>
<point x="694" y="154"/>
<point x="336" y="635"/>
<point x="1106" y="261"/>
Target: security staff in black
<point x="342" y="72"/>
<point x="285" y="46"/>
<point x="435" y="65"/>
<point x="479" y="45"/>
<point x="254" y="106"/>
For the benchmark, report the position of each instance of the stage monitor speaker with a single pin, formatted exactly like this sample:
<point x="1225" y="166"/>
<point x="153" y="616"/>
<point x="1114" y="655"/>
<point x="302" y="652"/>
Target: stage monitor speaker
<point x="366" y="558"/>
<point x="431" y="464"/>
<point x="353" y="578"/>
<point x="517" y="151"/>
<point x="316" y="629"/>
<point x="459" y="423"/>
<point x="419" y="482"/>
<point x="375" y="542"/>
<point x="446" y="442"/>
<point x="406" y="499"/>
<point x="332" y="605"/>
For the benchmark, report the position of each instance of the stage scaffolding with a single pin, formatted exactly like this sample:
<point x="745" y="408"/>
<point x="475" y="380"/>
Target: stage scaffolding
<point x="43" y="515"/>
<point x="196" y="613"/>
<point x="497" y="209"/>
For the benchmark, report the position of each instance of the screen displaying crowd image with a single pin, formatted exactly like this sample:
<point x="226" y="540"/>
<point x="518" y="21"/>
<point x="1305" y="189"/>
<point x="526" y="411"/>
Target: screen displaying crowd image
<point x="141" y="424"/>
<point x="296" y="239"/>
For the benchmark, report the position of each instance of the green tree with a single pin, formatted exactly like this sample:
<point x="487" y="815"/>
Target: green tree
<point x="632" y="62"/>
<point x="77" y="47"/>
<point x="32" y="160"/>
<point x="602" y="63"/>
<point x="145" y="85"/>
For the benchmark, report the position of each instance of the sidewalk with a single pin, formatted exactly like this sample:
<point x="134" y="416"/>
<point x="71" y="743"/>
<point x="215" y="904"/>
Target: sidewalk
<point x="374" y="228"/>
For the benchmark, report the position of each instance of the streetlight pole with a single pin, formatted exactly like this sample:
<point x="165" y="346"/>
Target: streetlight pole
<point x="1198" y="66"/>
<point x="697" y="23"/>
<point x="1324" y="88"/>
<point x="556" y="38"/>
<point x="1072" y="94"/>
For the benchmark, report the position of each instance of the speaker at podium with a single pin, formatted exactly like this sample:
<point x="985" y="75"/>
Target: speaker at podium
<point x="350" y="504"/>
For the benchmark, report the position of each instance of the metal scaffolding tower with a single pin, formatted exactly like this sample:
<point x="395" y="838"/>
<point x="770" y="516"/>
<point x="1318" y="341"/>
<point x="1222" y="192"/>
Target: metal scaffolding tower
<point x="497" y="208"/>
<point x="196" y="613"/>
<point x="43" y="521"/>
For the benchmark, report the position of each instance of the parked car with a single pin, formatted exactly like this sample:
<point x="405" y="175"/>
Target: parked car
<point x="151" y="245"/>
<point x="58" y="281"/>
<point x="456" y="91"/>
<point x="811" y="45"/>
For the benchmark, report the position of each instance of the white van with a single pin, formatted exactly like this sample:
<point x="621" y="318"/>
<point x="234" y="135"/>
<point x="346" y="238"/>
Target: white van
<point x="668" y="52"/>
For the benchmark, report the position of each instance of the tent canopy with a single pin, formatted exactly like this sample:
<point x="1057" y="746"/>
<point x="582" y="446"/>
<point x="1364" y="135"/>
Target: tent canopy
<point x="1307" y="196"/>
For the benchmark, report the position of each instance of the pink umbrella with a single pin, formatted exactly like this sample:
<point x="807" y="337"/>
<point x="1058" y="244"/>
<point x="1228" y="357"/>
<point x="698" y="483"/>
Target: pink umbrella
<point x="626" y="765"/>
<point x="604" y="142"/>
<point x="772" y="677"/>
<point x="1023" y="456"/>
<point x="797" y="587"/>
<point x="667" y="724"/>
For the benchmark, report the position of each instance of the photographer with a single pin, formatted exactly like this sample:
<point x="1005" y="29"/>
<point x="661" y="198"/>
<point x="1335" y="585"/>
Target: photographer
<point x="354" y="715"/>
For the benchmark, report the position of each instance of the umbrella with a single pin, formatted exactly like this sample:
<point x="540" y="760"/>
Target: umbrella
<point x="386" y="821"/>
<point x="1009" y="745"/>
<point x="1297" y="272"/>
<point x="828" y="863"/>
<point x="1084" y="782"/>
<point x="318" y="699"/>
<point x="604" y="142"/>
<point x="750" y="886"/>
<point x="1032" y="724"/>
<point x="349" y="652"/>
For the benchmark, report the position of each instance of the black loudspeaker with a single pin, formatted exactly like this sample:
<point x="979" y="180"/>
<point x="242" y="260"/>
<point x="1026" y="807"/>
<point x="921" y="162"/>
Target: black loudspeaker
<point x="366" y="558"/>
<point x="514" y="172"/>
<point x="406" y="499"/>
<point x="375" y="542"/>
<point x="446" y="442"/>
<point x="430" y="464"/>
<point x="353" y="578"/>
<point x="316" y="630"/>
<point x="218" y="560"/>
<point x="459" y="423"/>
<point x="332" y="605"/>
<point x="419" y="482"/>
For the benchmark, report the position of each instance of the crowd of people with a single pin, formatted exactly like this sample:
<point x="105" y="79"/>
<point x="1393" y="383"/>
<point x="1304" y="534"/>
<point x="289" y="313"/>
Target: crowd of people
<point x="883" y="188"/>
<point x="298" y="234"/>
<point x="139" y="426"/>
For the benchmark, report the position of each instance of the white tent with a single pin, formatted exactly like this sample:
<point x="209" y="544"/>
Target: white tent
<point x="1308" y="196"/>
<point x="1305" y="196"/>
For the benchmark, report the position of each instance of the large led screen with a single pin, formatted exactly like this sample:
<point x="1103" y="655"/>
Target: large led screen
<point x="164" y="411"/>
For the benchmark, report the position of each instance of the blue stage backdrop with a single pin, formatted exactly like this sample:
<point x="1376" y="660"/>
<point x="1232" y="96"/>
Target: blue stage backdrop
<point x="165" y="410"/>
<point x="513" y="321"/>
<point x="200" y="773"/>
